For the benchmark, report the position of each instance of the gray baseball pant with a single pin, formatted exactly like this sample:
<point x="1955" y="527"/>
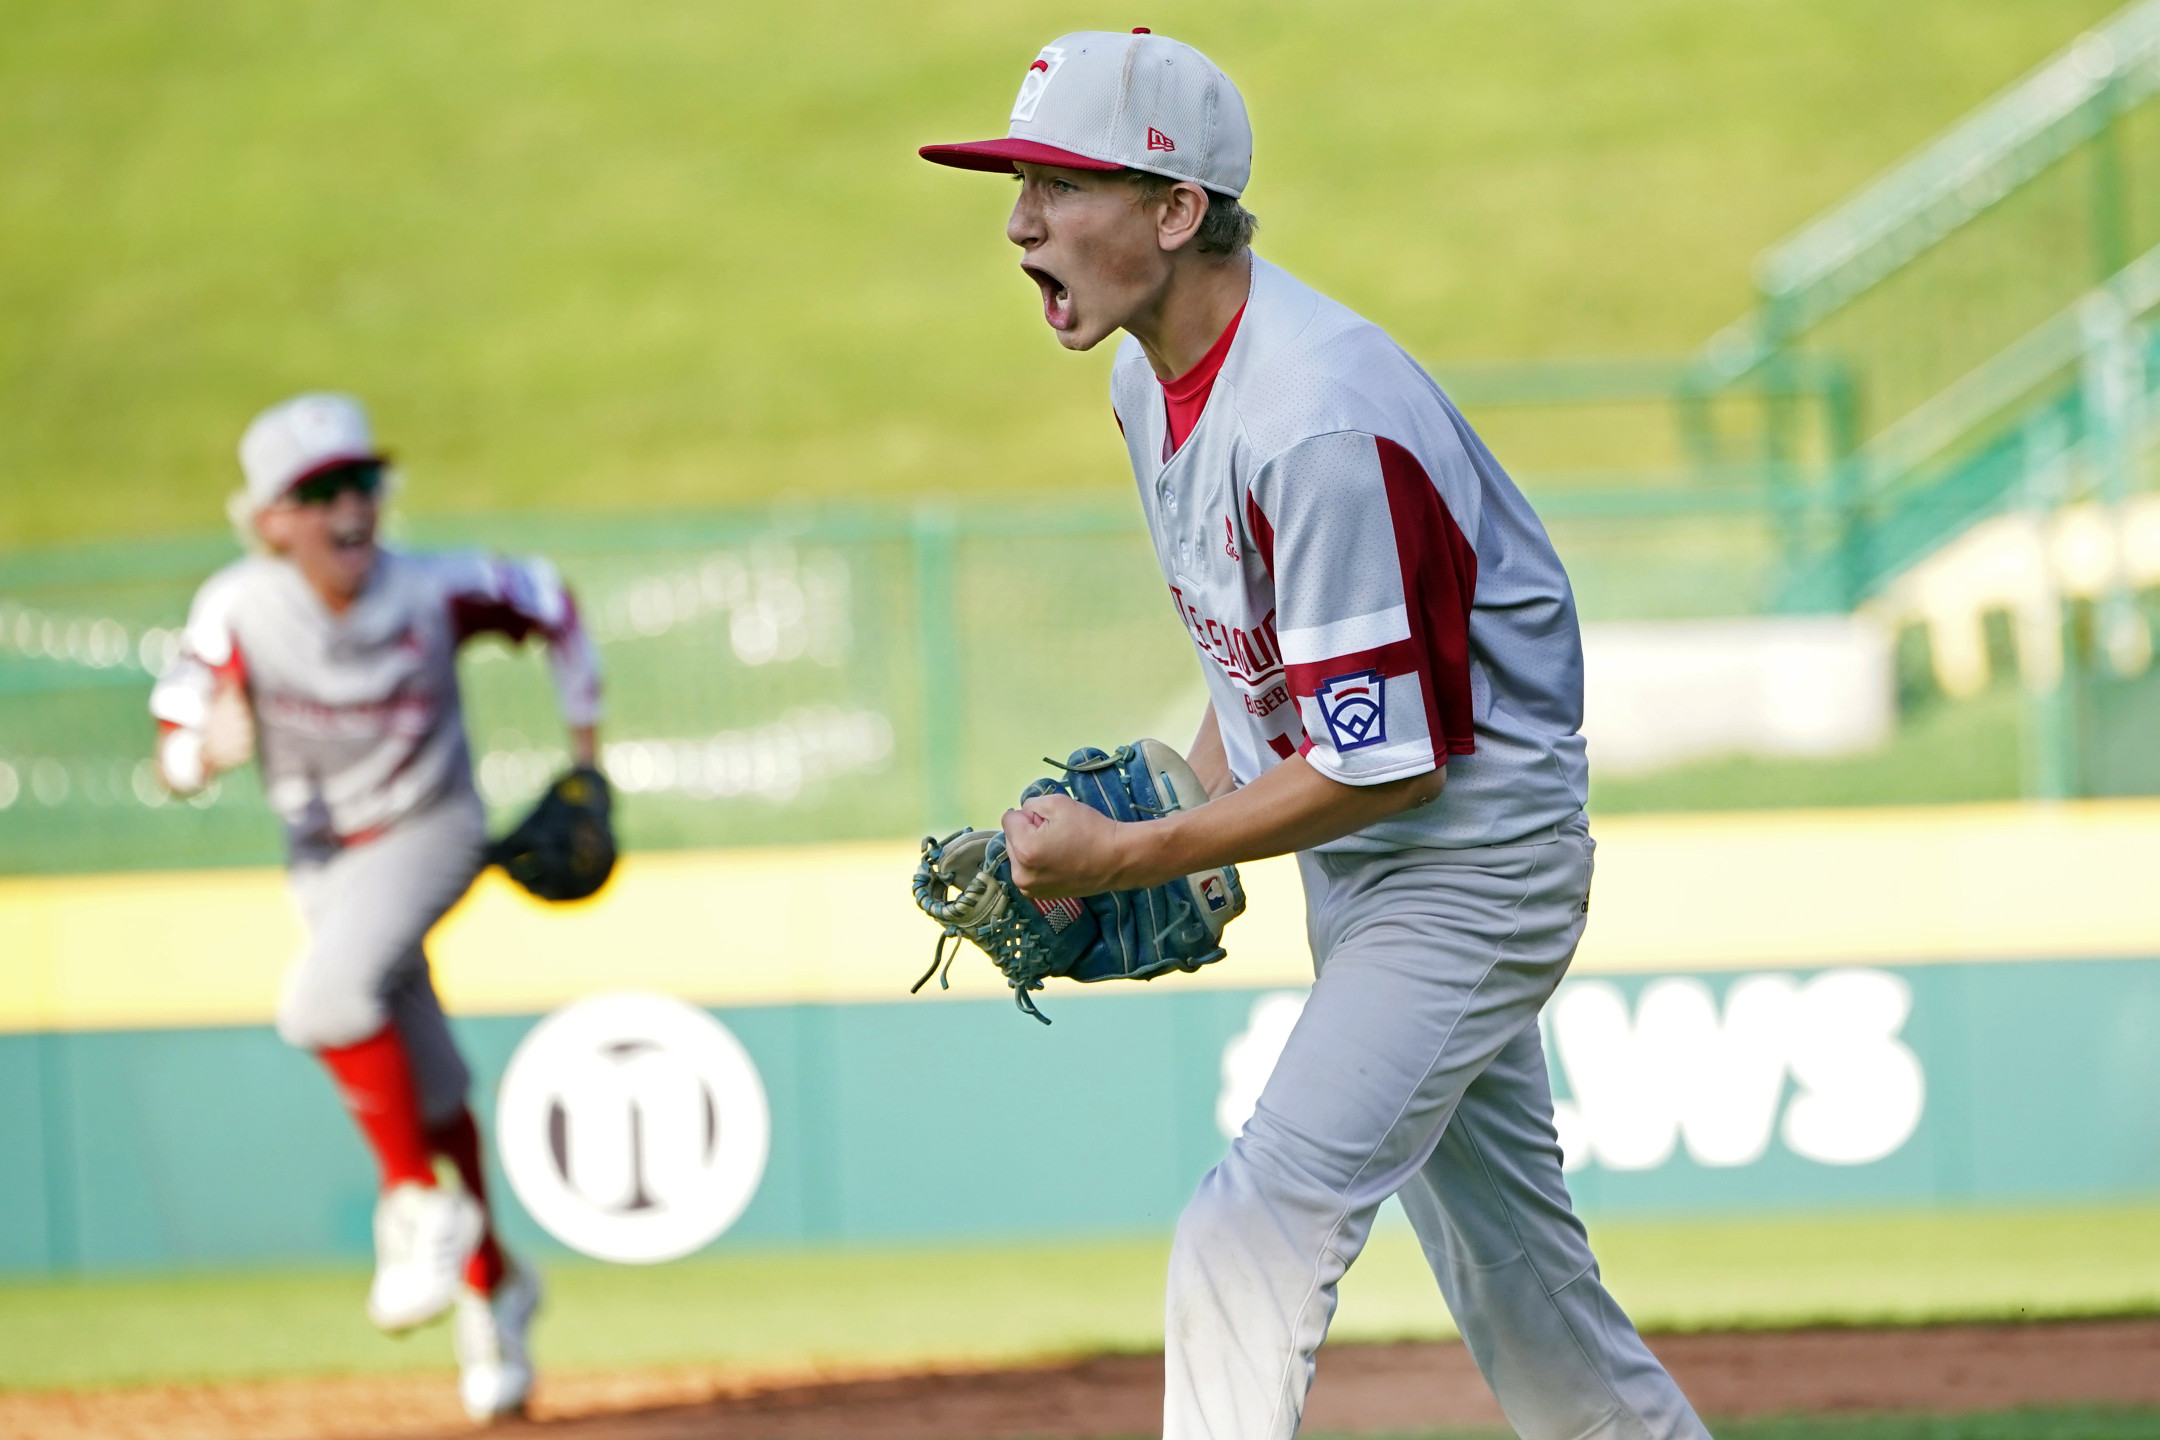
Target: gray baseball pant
<point x="1416" y="1069"/>
<point x="368" y="909"/>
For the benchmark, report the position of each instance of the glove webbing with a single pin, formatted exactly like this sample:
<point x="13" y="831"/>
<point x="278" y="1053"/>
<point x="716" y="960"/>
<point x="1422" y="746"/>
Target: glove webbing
<point x="978" y="913"/>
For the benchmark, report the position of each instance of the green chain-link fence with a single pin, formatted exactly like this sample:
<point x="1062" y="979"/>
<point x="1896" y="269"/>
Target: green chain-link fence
<point x="771" y="678"/>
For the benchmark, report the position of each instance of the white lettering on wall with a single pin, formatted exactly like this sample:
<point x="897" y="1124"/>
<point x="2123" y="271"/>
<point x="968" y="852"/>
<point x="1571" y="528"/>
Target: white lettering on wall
<point x="1677" y="1072"/>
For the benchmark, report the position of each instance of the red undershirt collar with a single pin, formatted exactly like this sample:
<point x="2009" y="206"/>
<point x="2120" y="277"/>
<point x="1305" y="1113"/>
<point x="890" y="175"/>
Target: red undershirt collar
<point x="1186" y="396"/>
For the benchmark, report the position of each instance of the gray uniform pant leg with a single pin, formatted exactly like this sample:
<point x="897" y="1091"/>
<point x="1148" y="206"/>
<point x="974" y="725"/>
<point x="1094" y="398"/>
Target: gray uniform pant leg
<point x="1492" y="1212"/>
<point x="1431" y="967"/>
<point x="368" y="909"/>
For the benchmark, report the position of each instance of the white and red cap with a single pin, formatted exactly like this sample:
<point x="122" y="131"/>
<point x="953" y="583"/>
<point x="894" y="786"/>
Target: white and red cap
<point x="1098" y="100"/>
<point x="300" y="438"/>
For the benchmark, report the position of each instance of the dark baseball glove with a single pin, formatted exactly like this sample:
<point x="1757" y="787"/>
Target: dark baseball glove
<point x="965" y="884"/>
<point x="565" y="849"/>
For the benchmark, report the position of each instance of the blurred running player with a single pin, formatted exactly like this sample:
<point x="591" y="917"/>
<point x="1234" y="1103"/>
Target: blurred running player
<point x="332" y="660"/>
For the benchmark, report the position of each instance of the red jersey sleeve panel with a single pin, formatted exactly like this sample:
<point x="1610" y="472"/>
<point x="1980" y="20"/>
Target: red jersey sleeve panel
<point x="1439" y="580"/>
<point x="521" y="598"/>
<point x="1374" y="583"/>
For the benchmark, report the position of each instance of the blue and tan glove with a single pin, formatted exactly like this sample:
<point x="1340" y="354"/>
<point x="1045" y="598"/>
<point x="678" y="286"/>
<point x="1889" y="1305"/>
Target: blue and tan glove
<point x="965" y="884"/>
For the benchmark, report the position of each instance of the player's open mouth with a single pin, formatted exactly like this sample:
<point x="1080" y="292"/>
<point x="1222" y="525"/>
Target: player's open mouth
<point x="1057" y="300"/>
<point x="349" y="540"/>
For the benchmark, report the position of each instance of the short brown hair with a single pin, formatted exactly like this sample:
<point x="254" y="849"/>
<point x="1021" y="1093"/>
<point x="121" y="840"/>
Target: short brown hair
<point x="1227" y="228"/>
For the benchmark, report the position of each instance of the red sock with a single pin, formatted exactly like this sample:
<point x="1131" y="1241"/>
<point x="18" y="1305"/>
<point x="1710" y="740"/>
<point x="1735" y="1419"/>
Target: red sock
<point x="376" y="1083"/>
<point x="459" y="1141"/>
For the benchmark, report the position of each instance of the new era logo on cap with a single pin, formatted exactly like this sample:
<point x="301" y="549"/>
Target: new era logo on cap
<point x="1097" y="100"/>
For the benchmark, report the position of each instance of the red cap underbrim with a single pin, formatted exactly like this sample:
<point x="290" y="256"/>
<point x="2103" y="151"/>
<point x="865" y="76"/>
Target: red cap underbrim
<point x="997" y="156"/>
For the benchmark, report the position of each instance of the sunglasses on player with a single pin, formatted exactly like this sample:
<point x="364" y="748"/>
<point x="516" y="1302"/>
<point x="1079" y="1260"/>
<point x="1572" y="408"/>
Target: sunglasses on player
<point x="365" y="476"/>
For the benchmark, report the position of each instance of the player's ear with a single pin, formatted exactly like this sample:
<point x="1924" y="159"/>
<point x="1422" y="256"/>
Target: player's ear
<point x="273" y="528"/>
<point x="1177" y="223"/>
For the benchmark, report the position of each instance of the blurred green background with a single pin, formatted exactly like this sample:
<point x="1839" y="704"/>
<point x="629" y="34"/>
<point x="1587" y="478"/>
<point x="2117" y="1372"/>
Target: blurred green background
<point x="632" y="255"/>
<point x="590" y="264"/>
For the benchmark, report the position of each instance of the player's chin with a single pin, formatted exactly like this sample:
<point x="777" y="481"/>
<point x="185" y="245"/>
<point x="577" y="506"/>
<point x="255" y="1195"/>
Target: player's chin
<point x="1083" y="333"/>
<point x="353" y="560"/>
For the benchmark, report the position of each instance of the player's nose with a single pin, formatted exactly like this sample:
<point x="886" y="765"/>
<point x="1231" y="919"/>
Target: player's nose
<point x="1024" y="226"/>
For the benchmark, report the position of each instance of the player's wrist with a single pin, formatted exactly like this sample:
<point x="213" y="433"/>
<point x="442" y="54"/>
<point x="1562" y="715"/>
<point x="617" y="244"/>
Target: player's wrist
<point x="585" y="746"/>
<point x="1152" y="851"/>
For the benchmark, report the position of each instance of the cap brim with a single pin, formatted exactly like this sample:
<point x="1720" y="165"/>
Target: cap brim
<point x="997" y="156"/>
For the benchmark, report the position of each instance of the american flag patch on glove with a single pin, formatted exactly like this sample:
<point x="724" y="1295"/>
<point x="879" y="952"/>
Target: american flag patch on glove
<point x="1058" y="913"/>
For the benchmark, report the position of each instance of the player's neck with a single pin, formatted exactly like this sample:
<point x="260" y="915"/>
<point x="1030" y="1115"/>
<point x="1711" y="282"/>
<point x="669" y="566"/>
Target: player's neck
<point x="337" y="593"/>
<point x="1191" y="312"/>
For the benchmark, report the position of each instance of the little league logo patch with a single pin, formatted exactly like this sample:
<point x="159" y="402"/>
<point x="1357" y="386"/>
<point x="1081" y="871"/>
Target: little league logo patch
<point x="1355" y="709"/>
<point x="1037" y="81"/>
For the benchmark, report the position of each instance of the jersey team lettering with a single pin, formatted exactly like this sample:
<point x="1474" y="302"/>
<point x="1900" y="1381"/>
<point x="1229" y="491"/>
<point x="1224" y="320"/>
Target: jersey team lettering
<point x="1251" y="656"/>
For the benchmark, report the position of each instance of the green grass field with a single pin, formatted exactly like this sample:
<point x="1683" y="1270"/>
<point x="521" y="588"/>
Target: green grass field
<point x="786" y="1310"/>
<point x="615" y="256"/>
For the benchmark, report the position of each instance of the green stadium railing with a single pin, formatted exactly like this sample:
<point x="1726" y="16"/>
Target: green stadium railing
<point x="1873" y="313"/>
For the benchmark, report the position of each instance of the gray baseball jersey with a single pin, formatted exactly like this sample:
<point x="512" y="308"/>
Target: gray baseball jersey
<point x="1364" y="583"/>
<point x="359" y="722"/>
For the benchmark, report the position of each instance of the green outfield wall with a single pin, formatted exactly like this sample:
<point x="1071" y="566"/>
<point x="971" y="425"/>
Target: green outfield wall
<point x="2038" y="1082"/>
<point x="1771" y="1012"/>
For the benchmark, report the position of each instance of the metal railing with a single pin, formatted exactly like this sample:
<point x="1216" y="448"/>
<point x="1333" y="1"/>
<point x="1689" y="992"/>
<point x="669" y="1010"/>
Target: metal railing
<point x="1872" y="319"/>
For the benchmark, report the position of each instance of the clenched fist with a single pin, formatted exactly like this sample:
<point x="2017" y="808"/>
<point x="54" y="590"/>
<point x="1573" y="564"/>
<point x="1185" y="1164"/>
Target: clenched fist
<point x="228" y="730"/>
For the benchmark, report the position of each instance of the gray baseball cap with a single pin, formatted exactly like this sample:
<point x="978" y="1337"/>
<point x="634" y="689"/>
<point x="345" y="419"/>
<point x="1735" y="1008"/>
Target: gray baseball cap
<point x="302" y="437"/>
<point x="1099" y="100"/>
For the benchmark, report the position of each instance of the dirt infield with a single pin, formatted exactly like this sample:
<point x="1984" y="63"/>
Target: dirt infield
<point x="1361" y="1389"/>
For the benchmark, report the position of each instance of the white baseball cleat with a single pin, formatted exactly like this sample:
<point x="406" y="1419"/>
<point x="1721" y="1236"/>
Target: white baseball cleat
<point x="495" y="1373"/>
<point x="423" y="1237"/>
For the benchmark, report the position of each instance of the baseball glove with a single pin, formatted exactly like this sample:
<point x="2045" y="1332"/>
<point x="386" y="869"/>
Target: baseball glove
<point x="965" y="884"/>
<point x="565" y="849"/>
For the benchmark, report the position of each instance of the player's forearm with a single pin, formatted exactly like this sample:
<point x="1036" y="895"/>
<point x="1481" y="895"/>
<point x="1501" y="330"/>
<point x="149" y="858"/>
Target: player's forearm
<point x="1208" y="758"/>
<point x="1291" y="807"/>
<point x="585" y="746"/>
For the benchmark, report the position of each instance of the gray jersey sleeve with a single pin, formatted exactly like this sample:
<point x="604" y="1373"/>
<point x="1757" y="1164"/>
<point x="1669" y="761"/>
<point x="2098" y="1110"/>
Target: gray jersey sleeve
<point x="1373" y="589"/>
<point x="209" y="656"/>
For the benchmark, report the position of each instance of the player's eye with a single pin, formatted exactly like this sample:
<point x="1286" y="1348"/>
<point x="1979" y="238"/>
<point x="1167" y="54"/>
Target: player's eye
<point x="364" y="476"/>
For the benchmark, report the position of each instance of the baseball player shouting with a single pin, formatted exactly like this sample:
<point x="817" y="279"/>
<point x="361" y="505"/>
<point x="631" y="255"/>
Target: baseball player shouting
<point x="334" y="659"/>
<point x="1395" y="673"/>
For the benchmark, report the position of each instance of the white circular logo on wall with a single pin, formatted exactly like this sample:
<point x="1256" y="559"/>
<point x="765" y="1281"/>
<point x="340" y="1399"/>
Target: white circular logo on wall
<point x="633" y="1127"/>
